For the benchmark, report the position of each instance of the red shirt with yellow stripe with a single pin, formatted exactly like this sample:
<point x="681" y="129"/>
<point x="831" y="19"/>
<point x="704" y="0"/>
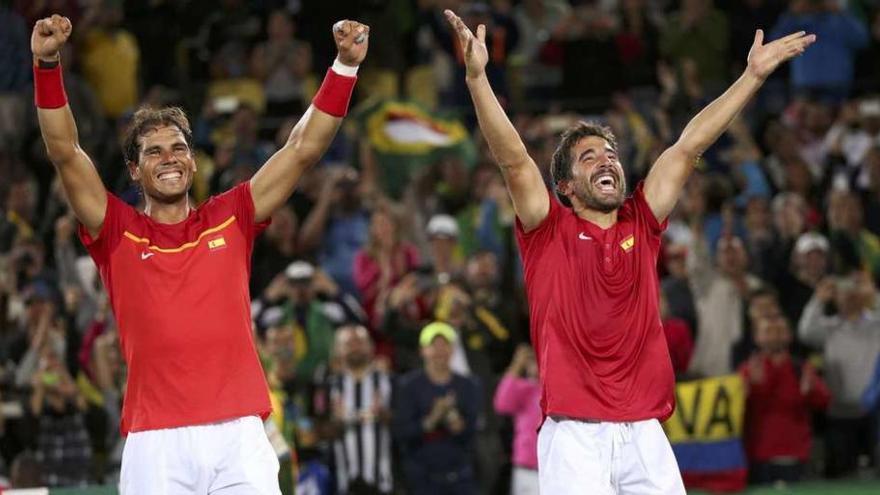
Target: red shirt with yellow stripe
<point x="181" y="300"/>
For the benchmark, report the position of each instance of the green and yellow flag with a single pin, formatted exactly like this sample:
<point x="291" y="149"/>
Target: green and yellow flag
<point x="406" y="137"/>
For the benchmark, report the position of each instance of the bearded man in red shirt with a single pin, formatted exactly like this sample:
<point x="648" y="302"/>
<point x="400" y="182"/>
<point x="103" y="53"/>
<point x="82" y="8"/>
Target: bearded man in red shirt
<point x="591" y="278"/>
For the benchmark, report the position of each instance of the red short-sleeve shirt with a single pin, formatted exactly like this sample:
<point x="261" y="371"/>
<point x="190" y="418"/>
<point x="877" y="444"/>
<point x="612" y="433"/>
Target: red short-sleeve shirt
<point x="180" y="296"/>
<point x="595" y="320"/>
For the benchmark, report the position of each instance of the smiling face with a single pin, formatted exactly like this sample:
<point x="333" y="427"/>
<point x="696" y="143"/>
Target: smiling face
<point x="773" y="334"/>
<point x="354" y="347"/>
<point x="731" y="256"/>
<point x="438" y="353"/>
<point x="165" y="166"/>
<point x="597" y="178"/>
<point x="482" y="270"/>
<point x="586" y="169"/>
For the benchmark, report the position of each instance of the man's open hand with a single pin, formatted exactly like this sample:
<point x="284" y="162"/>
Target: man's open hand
<point x="476" y="55"/>
<point x="764" y="59"/>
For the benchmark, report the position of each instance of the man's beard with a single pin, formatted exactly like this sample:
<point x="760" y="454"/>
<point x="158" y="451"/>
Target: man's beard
<point x="357" y="360"/>
<point x="602" y="203"/>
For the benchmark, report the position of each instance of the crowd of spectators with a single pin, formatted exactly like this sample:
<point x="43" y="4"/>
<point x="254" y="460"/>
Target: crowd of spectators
<point x="392" y="325"/>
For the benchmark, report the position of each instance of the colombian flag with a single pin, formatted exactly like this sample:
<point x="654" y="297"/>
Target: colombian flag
<point x="706" y="432"/>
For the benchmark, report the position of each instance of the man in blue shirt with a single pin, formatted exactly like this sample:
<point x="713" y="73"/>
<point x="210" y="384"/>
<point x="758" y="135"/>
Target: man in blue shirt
<point x="435" y="419"/>
<point x="825" y="70"/>
<point x="337" y="226"/>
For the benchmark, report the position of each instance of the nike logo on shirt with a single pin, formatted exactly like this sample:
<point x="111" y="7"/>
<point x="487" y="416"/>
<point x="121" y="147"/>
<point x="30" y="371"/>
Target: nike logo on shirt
<point x="584" y="237"/>
<point x="146" y="255"/>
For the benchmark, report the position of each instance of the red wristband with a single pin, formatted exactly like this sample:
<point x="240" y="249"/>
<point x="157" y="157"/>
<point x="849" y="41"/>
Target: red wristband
<point x="335" y="94"/>
<point x="49" y="88"/>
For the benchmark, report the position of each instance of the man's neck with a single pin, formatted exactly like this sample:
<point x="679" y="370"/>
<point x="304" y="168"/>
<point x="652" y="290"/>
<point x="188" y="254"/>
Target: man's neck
<point x="776" y="356"/>
<point x="438" y="375"/>
<point x="168" y="213"/>
<point x="807" y="278"/>
<point x="443" y="265"/>
<point x="359" y="372"/>
<point x="603" y="220"/>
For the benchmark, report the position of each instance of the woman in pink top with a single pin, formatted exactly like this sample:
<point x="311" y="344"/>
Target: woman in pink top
<point x="518" y="395"/>
<point x="383" y="261"/>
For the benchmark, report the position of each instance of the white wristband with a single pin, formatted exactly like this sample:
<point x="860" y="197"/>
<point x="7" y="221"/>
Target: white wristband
<point x="344" y="70"/>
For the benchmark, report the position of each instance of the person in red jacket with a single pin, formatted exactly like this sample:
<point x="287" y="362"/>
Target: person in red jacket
<point x="782" y="393"/>
<point x="679" y="338"/>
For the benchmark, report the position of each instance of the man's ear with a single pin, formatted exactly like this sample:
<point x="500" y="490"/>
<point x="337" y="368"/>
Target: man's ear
<point x="564" y="187"/>
<point x="134" y="171"/>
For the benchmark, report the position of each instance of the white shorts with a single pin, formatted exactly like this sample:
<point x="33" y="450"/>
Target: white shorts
<point x="228" y="458"/>
<point x="577" y="457"/>
<point x="524" y="481"/>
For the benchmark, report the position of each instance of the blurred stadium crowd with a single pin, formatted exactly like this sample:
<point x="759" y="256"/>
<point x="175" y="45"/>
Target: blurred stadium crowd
<point x="769" y="266"/>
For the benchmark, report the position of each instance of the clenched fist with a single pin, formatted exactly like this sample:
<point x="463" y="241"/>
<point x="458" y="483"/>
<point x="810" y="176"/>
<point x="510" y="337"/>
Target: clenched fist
<point x="352" y="39"/>
<point x="49" y="35"/>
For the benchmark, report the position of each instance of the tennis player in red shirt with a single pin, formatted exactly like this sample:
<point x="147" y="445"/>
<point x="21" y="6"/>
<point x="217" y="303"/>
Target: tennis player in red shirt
<point x="177" y="276"/>
<point x="591" y="278"/>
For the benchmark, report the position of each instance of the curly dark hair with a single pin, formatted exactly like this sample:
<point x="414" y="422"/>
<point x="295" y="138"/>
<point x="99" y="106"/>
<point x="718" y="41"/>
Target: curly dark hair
<point x="147" y="118"/>
<point x="560" y="164"/>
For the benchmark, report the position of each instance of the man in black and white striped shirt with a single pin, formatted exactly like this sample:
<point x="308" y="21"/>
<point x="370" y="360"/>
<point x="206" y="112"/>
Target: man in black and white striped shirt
<point x="357" y="404"/>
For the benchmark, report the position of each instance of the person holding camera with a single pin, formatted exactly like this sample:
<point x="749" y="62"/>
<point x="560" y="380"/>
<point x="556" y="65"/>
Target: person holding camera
<point x="851" y="343"/>
<point x="338" y="225"/>
<point x="519" y="395"/>
<point x="305" y="302"/>
<point x="826" y="71"/>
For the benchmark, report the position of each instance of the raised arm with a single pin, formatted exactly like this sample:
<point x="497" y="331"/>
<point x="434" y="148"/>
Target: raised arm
<point x="814" y="326"/>
<point x="531" y="201"/>
<point x="312" y="231"/>
<point x="668" y="175"/>
<point x="309" y="139"/>
<point x="82" y="184"/>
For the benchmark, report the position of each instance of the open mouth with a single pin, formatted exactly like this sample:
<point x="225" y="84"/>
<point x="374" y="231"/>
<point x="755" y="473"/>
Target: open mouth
<point x="170" y="176"/>
<point x="605" y="182"/>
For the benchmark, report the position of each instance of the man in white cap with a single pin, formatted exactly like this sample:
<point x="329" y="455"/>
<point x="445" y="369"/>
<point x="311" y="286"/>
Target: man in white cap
<point x="850" y="340"/>
<point x="809" y="265"/>
<point x="307" y="300"/>
<point x="443" y="236"/>
<point x="810" y="258"/>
